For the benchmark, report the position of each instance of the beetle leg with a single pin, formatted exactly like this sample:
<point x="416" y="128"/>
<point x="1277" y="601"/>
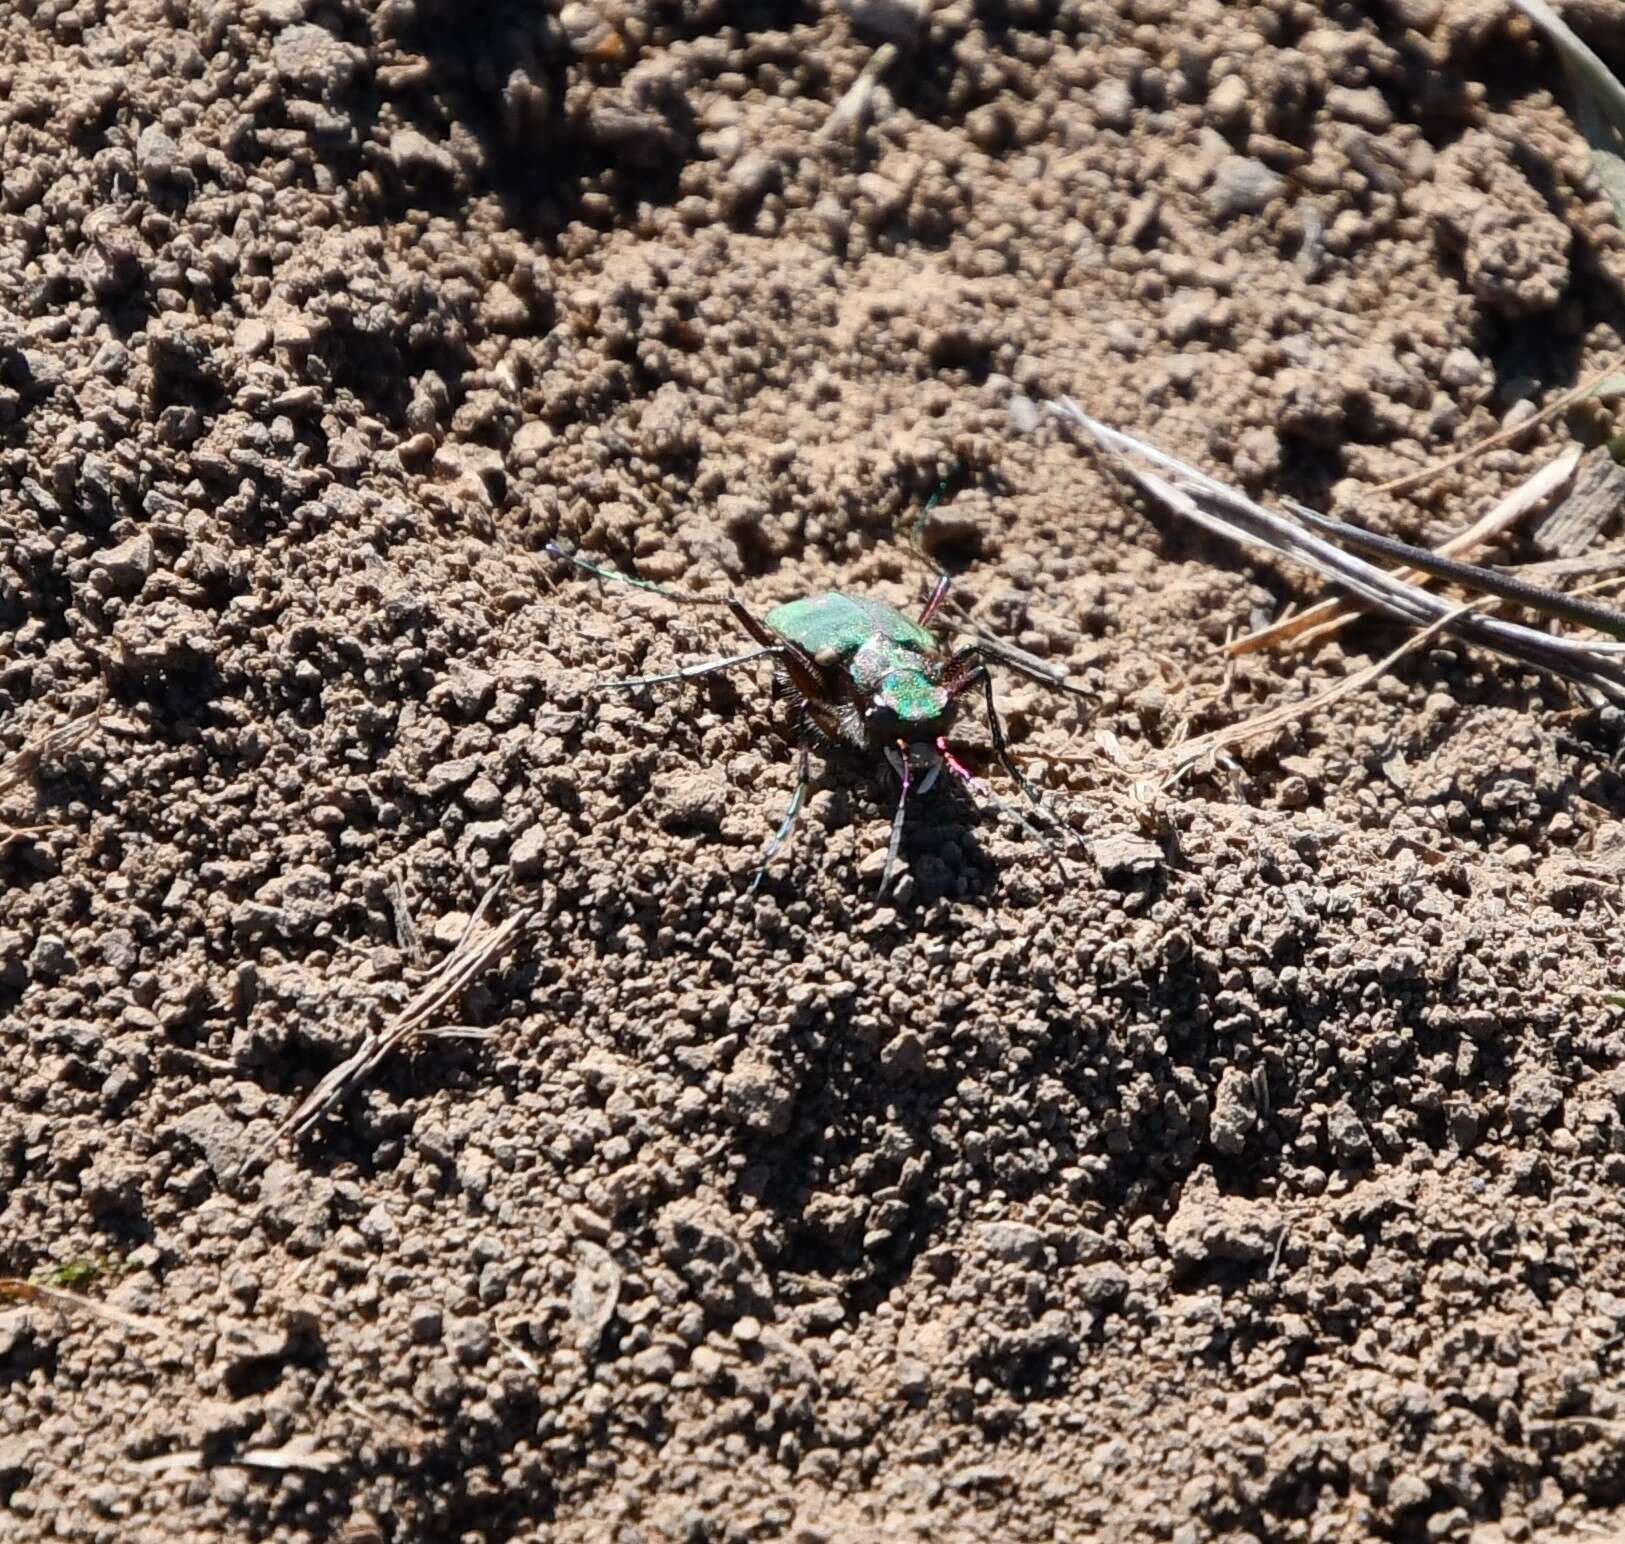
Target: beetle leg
<point x="798" y="663"/>
<point x="1000" y="748"/>
<point x="1020" y="661"/>
<point x="901" y="765"/>
<point x="687" y="673"/>
<point x="979" y="789"/>
<point x="938" y="595"/>
<point x="797" y="798"/>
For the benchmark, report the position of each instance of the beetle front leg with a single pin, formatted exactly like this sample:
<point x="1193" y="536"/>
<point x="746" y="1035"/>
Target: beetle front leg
<point x="980" y="789"/>
<point x="797" y="799"/>
<point x="1001" y="748"/>
<point x="798" y="663"/>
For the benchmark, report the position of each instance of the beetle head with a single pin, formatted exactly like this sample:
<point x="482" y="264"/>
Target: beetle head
<point x="905" y="704"/>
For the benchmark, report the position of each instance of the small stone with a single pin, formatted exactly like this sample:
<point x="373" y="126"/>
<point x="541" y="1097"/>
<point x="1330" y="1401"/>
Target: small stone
<point x="1368" y="108"/>
<point x="750" y="177"/>
<point x="1535" y="1097"/>
<point x="1125" y="859"/>
<point x="448" y="930"/>
<point x="423" y="1324"/>
<point x="1408" y="1490"/>
<point x="1462" y="368"/>
<point x="655" y="1364"/>
<point x="1242" y="186"/>
<point x="1208" y="1226"/>
<point x="589" y="1224"/>
<point x="913" y="1377"/>
<point x="533" y="439"/>
<point x="747" y="1330"/>
<point x="50" y="956"/>
<point x="469" y="1340"/>
<point x="1517" y="262"/>
<point x="1258" y="454"/>
<point x="588" y="35"/>
<point x="706" y="1364"/>
<point x="123" y="569"/>
<point x="1227" y="103"/>
<point x="1191" y="314"/>
<point x="1347" y="1134"/>
<point x="482" y="796"/>
<point x="1113" y="103"/>
<point x="1025" y="415"/>
<point x="1234" y="1116"/>
<point x="311" y="59"/>
<point x="414" y="154"/>
<point x="226" y="1145"/>
<point x="447" y="775"/>
<point x="503" y="311"/>
<point x="1101" y="1285"/>
<point x="594" y="1295"/>
<point x="758" y="1096"/>
<point x="1012" y="1241"/>
<point x="528" y="858"/>
<point x="903" y="1057"/>
<point x="156" y="155"/>
<point x="110" y="360"/>
<point x="637" y="131"/>
<point x="378" y="1227"/>
<point x="112" y="1185"/>
<point x="246" y="1349"/>
<point x="18" y="1455"/>
<point x="297" y="1205"/>
<point x="16" y="1334"/>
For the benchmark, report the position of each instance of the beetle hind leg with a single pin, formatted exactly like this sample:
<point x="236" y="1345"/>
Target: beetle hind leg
<point x="705" y="667"/>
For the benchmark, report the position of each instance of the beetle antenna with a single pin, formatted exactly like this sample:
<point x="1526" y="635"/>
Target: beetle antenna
<point x="1028" y="665"/>
<point x="796" y="800"/>
<point x="614" y="575"/>
<point x="1017" y="659"/>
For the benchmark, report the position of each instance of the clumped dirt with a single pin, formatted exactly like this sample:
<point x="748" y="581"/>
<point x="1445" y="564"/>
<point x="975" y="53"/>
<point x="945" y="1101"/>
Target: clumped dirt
<point x="1258" y="1179"/>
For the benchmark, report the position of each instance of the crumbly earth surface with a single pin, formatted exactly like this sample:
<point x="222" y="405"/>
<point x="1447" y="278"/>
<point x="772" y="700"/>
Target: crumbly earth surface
<point x="1256" y="1178"/>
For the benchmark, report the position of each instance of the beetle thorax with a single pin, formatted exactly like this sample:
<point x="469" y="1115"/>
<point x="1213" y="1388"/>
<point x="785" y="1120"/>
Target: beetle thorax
<point x="899" y="687"/>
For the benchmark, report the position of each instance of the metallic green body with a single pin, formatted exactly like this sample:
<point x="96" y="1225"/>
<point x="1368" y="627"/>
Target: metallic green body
<point x="885" y="657"/>
<point x="839" y="625"/>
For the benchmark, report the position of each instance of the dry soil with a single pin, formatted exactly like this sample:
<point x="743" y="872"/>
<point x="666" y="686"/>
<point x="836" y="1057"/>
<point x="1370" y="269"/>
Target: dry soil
<point x="1257" y="1178"/>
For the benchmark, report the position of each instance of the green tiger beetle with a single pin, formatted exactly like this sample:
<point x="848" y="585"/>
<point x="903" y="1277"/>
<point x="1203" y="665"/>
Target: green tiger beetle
<point x="860" y="674"/>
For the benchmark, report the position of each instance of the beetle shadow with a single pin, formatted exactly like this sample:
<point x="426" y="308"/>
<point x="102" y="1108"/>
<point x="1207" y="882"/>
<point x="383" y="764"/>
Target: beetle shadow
<point x="886" y="1108"/>
<point x="942" y="855"/>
